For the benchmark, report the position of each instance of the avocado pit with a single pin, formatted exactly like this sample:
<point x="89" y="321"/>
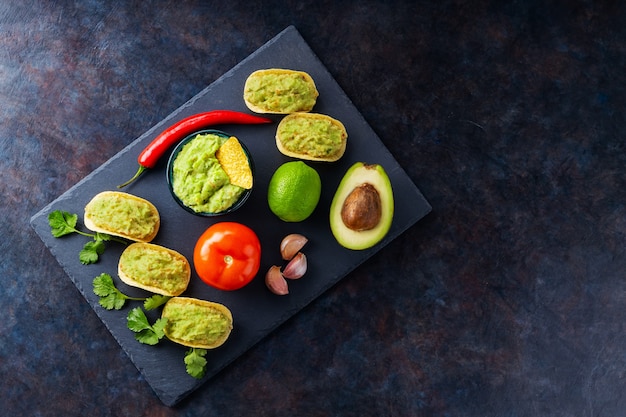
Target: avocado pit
<point x="362" y="209"/>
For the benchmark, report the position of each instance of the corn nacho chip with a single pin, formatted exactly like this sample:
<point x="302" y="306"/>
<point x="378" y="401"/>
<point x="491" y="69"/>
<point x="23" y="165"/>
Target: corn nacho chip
<point x="234" y="161"/>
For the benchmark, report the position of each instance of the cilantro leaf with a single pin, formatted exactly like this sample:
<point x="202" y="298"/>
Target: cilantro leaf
<point x="103" y="285"/>
<point x="147" y="337"/>
<point x="156" y="301"/>
<point x="90" y="253"/>
<point x="112" y="302"/>
<point x="152" y="335"/>
<point x="62" y="223"/>
<point x="145" y="332"/>
<point x="110" y="297"/>
<point x="159" y="327"/>
<point x="195" y="362"/>
<point x="103" y="237"/>
<point x="137" y="320"/>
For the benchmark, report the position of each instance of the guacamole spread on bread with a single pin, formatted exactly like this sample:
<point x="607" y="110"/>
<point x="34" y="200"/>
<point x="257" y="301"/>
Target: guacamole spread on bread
<point x="280" y="91"/>
<point x="154" y="267"/>
<point x="316" y="137"/>
<point x="122" y="214"/>
<point x="196" y="323"/>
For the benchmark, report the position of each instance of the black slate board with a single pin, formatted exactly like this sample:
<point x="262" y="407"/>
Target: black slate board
<point x="256" y="311"/>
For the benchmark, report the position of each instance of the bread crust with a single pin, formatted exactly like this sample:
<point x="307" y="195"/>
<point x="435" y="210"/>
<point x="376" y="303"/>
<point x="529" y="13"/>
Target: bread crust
<point x="257" y="108"/>
<point x="147" y="248"/>
<point x="336" y="155"/>
<point x="101" y="227"/>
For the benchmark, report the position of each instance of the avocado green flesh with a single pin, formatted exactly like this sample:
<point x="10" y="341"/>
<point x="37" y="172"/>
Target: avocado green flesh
<point x="155" y="268"/>
<point x="281" y="92"/>
<point x="195" y="324"/>
<point x="318" y="138"/>
<point x="356" y="175"/>
<point x="123" y="215"/>
<point x="198" y="179"/>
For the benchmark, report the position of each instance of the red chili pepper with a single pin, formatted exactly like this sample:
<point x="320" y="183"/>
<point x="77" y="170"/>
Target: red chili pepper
<point x="149" y="157"/>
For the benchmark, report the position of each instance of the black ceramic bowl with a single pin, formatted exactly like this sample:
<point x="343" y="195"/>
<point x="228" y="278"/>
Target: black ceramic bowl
<point x="170" y="174"/>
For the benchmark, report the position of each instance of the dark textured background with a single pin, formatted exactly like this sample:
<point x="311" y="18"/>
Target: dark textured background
<point x="507" y="300"/>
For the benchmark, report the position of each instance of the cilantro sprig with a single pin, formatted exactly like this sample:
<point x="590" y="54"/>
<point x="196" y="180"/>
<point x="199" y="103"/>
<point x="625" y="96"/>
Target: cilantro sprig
<point x="151" y="334"/>
<point x="63" y="223"/>
<point x="112" y="298"/>
<point x="146" y="333"/>
<point x="195" y="363"/>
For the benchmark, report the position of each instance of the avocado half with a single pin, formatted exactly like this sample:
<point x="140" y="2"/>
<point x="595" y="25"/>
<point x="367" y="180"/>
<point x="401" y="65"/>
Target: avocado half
<point x="361" y="211"/>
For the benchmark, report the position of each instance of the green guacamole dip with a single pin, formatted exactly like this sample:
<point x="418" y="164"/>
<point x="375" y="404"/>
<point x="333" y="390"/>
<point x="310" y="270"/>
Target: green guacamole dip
<point x="195" y="324"/>
<point x="131" y="217"/>
<point x="281" y="92"/>
<point x="155" y="268"/>
<point x="315" y="137"/>
<point x="198" y="179"/>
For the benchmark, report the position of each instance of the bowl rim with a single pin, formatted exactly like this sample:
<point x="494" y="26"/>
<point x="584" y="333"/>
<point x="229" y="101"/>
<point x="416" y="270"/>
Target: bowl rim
<point x="170" y="167"/>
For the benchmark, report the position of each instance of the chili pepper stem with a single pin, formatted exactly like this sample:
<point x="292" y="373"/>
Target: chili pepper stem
<point x="137" y="174"/>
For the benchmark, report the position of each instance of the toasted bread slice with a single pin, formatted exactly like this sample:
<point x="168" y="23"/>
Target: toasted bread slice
<point x="121" y="214"/>
<point x="311" y="136"/>
<point x="197" y="323"/>
<point x="280" y="91"/>
<point x="154" y="268"/>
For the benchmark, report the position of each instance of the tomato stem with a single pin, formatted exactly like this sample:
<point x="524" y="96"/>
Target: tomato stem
<point x="228" y="259"/>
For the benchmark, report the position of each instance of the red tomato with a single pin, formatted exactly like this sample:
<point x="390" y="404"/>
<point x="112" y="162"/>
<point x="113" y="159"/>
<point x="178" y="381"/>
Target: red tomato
<point x="227" y="255"/>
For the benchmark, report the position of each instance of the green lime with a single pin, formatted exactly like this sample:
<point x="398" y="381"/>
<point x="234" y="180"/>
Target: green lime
<point x="294" y="191"/>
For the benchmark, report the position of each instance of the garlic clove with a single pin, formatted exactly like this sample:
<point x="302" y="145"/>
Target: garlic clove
<point x="275" y="281"/>
<point x="291" y="244"/>
<point x="296" y="267"/>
